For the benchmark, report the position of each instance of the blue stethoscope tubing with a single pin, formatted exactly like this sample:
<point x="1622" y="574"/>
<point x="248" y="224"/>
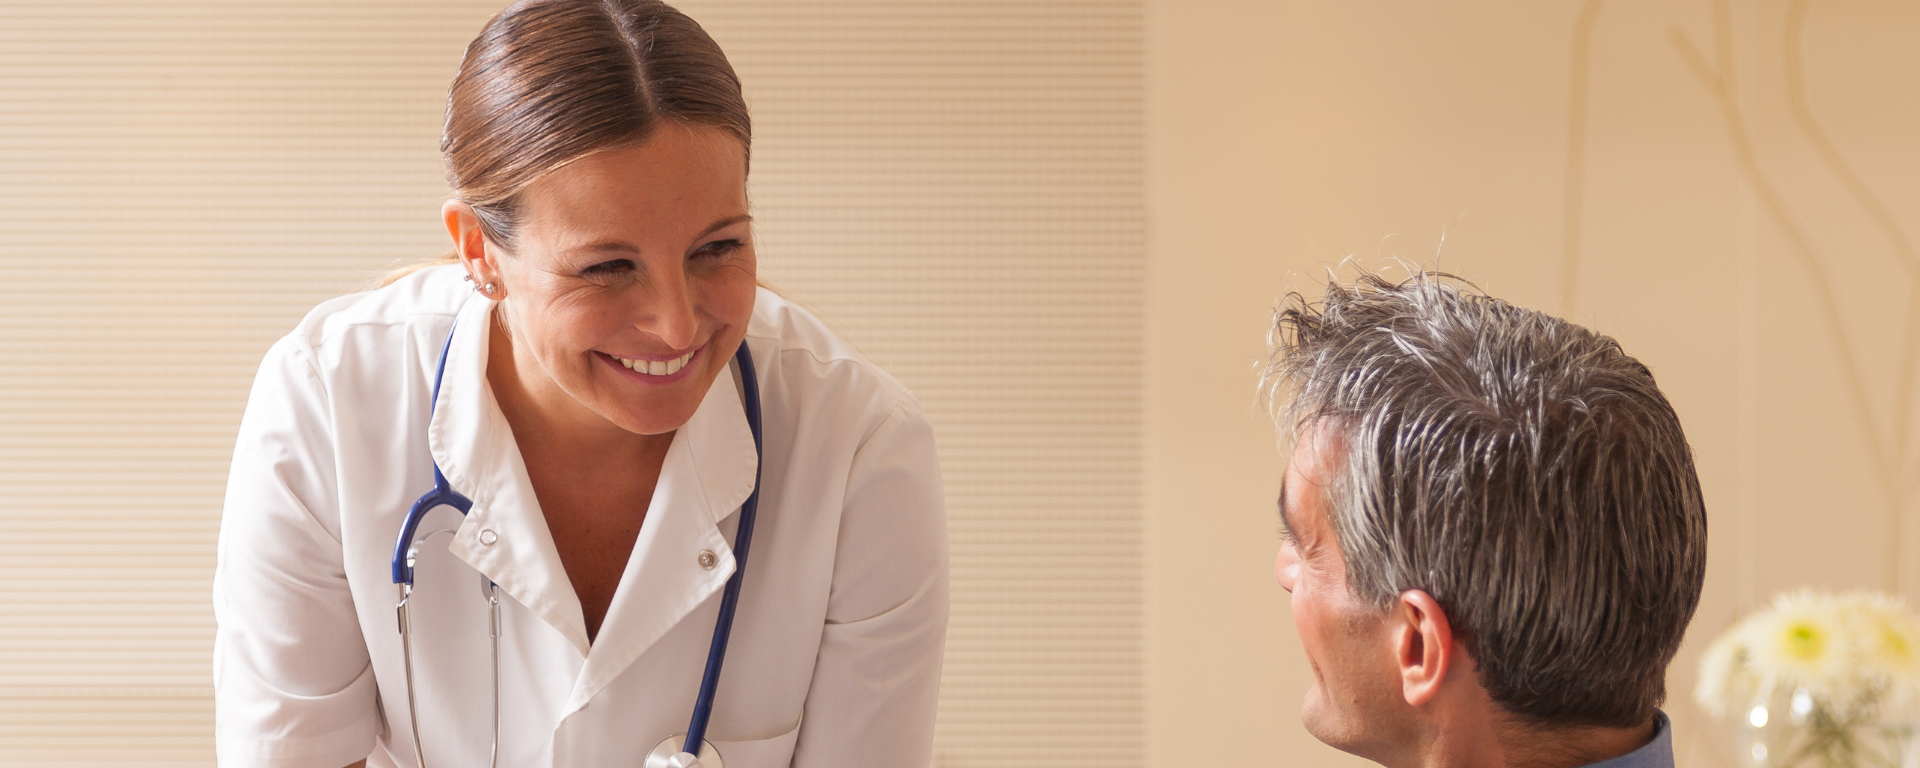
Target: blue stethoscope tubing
<point x="406" y="552"/>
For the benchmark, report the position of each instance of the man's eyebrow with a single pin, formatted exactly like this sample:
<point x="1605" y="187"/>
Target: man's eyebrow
<point x="1286" y="524"/>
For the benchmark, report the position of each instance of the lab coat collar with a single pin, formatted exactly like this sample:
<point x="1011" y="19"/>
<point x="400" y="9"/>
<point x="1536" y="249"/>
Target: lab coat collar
<point x="505" y="536"/>
<point x="709" y="471"/>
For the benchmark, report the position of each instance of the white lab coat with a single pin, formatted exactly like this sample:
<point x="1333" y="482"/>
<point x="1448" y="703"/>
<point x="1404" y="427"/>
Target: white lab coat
<point x="836" y="649"/>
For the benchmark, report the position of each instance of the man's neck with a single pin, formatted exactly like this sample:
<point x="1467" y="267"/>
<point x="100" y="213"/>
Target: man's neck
<point x="1530" y="745"/>
<point x="1503" y="742"/>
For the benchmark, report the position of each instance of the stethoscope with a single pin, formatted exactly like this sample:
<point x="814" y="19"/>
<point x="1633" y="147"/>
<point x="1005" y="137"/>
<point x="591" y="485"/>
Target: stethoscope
<point x="671" y="752"/>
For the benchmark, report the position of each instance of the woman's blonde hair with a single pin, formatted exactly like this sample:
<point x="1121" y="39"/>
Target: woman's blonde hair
<point x="548" y="82"/>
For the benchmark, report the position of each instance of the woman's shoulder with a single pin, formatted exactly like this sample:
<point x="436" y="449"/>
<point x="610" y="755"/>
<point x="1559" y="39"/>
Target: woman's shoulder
<point x="432" y="295"/>
<point x="811" y="362"/>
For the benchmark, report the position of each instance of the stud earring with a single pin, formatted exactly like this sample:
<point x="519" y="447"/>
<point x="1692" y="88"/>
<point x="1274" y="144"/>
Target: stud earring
<point x="487" y="289"/>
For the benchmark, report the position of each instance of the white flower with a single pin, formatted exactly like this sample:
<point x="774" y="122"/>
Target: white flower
<point x="1727" y="679"/>
<point x="1888" y="643"/>
<point x="1803" y="640"/>
<point x="1847" y="654"/>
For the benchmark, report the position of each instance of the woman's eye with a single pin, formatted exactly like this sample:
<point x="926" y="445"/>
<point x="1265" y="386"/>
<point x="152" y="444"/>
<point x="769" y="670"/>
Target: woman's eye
<point x="717" y="249"/>
<point x="607" y="269"/>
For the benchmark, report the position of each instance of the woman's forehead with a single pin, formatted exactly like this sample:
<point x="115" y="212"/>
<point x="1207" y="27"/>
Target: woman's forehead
<point x="676" y="184"/>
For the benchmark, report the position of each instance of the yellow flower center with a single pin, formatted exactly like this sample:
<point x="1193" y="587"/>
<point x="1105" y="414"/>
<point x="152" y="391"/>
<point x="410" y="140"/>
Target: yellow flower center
<point x="1894" y="643"/>
<point x="1805" y="641"/>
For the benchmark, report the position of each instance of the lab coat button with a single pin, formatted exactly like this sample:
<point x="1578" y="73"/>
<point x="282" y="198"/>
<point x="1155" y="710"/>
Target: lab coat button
<point x="708" y="560"/>
<point x="488" y="537"/>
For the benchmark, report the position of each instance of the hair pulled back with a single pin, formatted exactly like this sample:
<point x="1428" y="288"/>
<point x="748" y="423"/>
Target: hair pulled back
<point x="548" y="82"/>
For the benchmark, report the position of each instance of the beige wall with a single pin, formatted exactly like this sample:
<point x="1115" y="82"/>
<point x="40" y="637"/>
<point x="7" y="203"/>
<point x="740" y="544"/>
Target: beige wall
<point x="956" y="186"/>
<point x="1287" y="135"/>
<point x="964" y="187"/>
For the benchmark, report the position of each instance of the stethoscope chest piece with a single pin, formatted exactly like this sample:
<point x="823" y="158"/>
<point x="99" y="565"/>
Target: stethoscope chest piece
<point x="671" y="754"/>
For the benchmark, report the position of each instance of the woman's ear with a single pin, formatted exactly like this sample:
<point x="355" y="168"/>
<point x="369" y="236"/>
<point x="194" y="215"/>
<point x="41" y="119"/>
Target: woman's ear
<point x="1423" y="646"/>
<point x="469" y="241"/>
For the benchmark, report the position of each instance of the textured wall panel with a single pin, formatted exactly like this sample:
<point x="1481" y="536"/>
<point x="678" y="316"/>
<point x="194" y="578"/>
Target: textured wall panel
<point x="956" y="186"/>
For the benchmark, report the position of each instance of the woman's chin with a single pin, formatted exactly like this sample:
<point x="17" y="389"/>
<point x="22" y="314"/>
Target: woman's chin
<point x="651" y="413"/>
<point x="645" y="426"/>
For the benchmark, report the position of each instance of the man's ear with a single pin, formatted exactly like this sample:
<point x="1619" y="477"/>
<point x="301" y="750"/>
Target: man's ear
<point x="1423" y="646"/>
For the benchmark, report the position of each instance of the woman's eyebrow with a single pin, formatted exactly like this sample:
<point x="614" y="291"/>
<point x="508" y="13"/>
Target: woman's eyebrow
<point x="723" y="224"/>
<point x="605" y="246"/>
<point x="622" y="246"/>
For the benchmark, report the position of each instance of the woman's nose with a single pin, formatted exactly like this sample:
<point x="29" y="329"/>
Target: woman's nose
<point x="669" y="312"/>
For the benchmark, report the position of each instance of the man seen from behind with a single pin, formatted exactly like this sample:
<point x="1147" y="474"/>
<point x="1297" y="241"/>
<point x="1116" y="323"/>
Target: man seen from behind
<point x="1494" y="536"/>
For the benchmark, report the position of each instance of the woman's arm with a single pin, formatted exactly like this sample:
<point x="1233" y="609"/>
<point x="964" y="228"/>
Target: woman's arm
<point x="293" y="685"/>
<point x="876" y="682"/>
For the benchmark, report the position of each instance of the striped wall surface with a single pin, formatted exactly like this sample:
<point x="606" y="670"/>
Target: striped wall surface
<point x="957" y="187"/>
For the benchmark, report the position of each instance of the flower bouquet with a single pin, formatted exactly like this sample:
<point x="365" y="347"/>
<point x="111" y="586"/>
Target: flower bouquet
<point x="1820" y="681"/>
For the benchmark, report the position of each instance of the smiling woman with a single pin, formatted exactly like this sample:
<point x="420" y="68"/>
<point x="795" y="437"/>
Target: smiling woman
<point x="586" y="412"/>
<point x="619" y="307"/>
<point x="642" y="254"/>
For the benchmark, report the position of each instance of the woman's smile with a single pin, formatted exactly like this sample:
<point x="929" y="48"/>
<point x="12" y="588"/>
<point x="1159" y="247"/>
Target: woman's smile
<point x="653" y="372"/>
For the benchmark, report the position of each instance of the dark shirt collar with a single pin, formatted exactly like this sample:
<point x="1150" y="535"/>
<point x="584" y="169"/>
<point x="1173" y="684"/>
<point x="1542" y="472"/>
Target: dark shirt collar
<point x="1656" y="754"/>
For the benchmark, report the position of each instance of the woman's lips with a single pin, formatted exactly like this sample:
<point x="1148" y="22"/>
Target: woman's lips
<point x="656" y="367"/>
<point x="654" y="371"/>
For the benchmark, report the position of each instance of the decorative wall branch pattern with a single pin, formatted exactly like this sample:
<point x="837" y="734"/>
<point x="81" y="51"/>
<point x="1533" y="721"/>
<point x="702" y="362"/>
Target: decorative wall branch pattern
<point x="1890" y="456"/>
<point x="1794" y="45"/>
<point x="1577" y="154"/>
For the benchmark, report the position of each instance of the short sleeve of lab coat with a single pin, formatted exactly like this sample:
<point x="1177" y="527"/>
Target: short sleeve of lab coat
<point x="293" y="685"/>
<point x="876" y="681"/>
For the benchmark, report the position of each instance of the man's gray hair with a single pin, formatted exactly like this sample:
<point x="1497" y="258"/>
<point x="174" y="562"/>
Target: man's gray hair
<point x="1522" y="470"/>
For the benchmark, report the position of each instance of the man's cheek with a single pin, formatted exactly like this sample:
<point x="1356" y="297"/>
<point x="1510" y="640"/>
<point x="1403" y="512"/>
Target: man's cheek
<point x="1306" y="615"/>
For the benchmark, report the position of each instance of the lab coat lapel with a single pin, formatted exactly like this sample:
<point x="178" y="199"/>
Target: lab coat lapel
<point x="709" y="471"/>
<point x="505" y="536"/>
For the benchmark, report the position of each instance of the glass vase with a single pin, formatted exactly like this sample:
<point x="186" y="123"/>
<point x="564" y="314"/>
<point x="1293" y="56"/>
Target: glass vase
<point x="1794" y="729"/>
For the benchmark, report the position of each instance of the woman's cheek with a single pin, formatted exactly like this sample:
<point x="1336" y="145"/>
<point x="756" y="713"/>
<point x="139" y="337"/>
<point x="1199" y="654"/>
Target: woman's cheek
<point x="731" y="301"/>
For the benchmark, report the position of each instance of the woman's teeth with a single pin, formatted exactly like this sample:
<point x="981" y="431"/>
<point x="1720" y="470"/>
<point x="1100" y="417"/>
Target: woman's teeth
<point x="656" y="367"/>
